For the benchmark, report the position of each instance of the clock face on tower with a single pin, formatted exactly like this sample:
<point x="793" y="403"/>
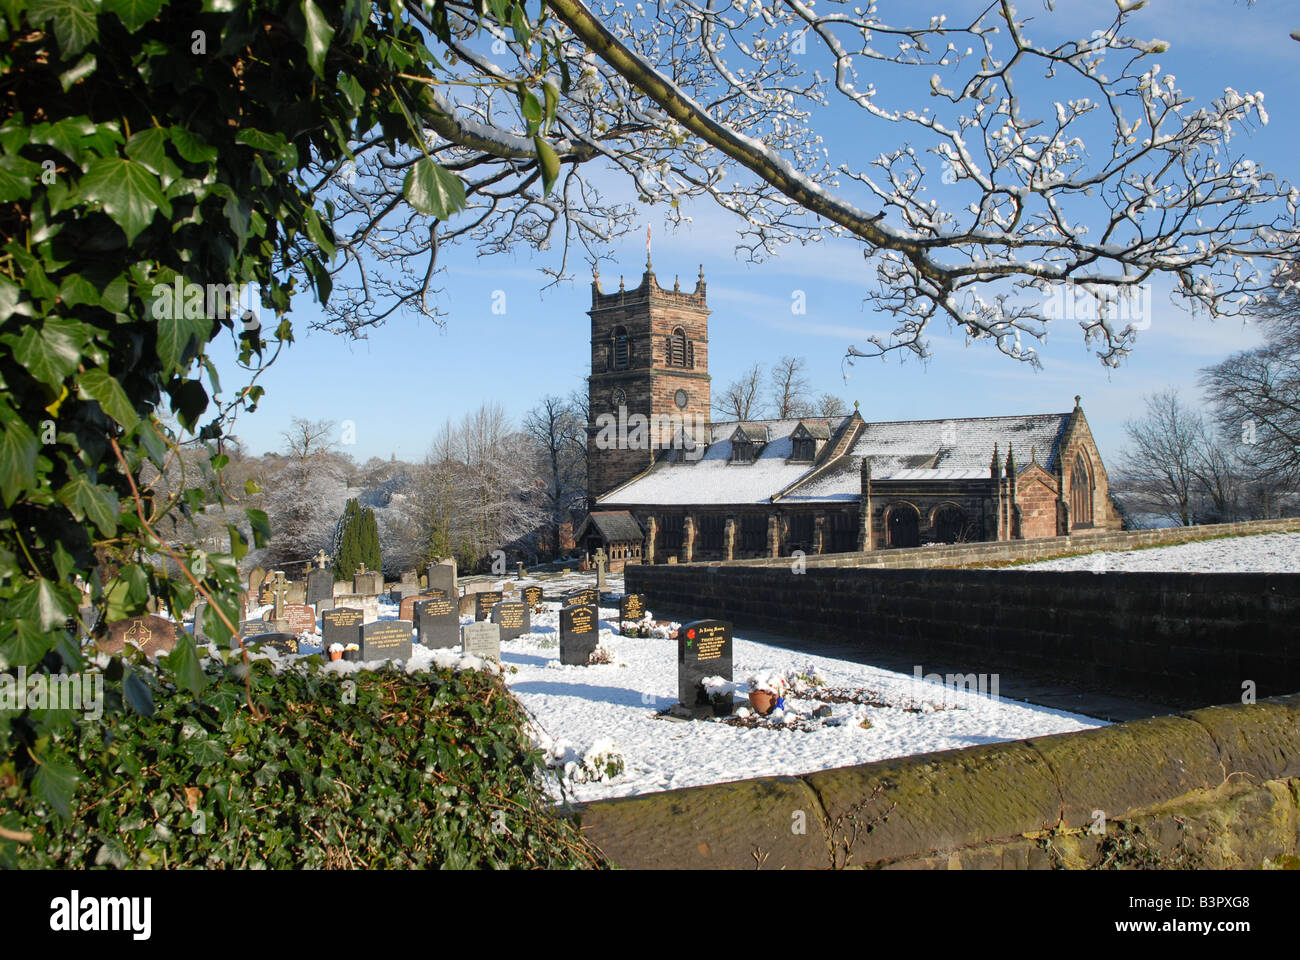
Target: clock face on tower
<point x="681" y="399"/>
<point x="619" y="398"/>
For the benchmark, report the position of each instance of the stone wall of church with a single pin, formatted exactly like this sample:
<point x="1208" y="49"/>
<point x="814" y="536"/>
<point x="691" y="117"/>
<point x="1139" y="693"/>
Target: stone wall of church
<point x="1037" y="498"/>
<point x="1078" y="438"/>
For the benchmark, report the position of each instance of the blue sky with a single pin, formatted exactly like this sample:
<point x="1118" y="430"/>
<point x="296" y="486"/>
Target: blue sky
<point x="402" y="382"/>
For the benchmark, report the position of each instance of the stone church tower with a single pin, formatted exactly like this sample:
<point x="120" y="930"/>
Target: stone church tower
<point x="649" y="359"/>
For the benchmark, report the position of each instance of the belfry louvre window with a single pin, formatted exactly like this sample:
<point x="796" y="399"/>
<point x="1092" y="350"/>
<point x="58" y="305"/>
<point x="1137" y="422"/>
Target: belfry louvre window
<point x="680" y="352"/>
<point x="620" y="349"/>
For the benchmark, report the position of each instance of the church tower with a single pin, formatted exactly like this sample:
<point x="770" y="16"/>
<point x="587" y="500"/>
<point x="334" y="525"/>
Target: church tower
<point x="649" y="357"/>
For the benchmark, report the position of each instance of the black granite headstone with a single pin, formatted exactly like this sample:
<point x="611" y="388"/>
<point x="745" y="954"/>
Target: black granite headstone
<point x="587" y="595"/>
<point x="513" y="617"/>
<point x="703" y="650"/>
<point x="483" y="603"/>
<point x="438" y="622"/>
<point x="631" y="606"/>
<point x="532" y="596"/>
<point x="341" y="625"/>
<point x="579" y="633"/>
<point x="320" y="585"/>
<point x="386" y="640"/>
<point x="283" y="642"/>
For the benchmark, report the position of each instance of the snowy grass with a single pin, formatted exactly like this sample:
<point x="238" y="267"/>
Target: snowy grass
<point x="1260" y="553"/>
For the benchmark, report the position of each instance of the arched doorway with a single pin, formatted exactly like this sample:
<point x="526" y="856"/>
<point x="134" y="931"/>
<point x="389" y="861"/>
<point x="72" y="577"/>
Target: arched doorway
<point x="903" y="526"/>
<point x="949" y="523"/>
<point x="1080" y="493"/>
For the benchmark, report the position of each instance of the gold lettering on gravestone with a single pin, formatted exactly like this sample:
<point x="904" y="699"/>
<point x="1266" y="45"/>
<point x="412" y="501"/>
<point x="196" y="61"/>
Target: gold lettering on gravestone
<point x="709" y="645"/>
<point x="633" y="608"/>
<point x="511" y="617"/>
<point x="580" y="620"/>
<point x="437" y="607"/>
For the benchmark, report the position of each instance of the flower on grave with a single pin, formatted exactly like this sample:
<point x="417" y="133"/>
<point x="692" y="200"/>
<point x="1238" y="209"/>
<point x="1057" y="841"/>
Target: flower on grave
<point x="336" y="648"/>
<point x="769" y="681"/>
<point x="353" y="646"/>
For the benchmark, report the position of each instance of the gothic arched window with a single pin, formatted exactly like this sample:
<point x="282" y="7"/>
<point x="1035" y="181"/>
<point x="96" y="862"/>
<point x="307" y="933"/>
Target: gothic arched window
<point x="1080" y="491"/>
<point x="620" y="349"/>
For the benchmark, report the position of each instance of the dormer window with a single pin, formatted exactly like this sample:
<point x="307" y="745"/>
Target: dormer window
<point x="805" y="448"/>
<point x="742" y="451"/>
<point x="620" y="349"/>
<point x="746" y="442"/>
<point x="807" y="439"/>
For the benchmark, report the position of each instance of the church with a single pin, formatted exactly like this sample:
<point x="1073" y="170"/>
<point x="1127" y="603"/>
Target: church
<point x="669" y="484"/>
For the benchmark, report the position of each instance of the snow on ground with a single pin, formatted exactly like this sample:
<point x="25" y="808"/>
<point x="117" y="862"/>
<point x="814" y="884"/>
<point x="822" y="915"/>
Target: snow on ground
<point x="1262" y="553"/>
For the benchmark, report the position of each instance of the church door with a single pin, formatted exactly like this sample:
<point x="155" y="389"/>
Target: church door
<point x="904" y="527"/>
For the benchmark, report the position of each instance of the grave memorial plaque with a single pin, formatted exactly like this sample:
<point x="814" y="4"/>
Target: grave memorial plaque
<point x="484" y="602"/>
<point x="283" y="642"/>
<point x="532" y="596"/>
<point x="582" y="597"/>
<point x="300" y="617"/>
<point x="152" y="634"/>
<point x="481" y="640"/>
<point x="295" y="592"/>
<point x="251" y="628"/>
<point x="386" y="640"/>
<point x="631" y="606"/>
<point x="366" y="604"/>
<point x="342" y="625"/>
<point x="703" y="650"/>
<point x="513" y="619"/>
<point x="367" y="582"/>
<point x="579" y="633"/>
<point x="438" y="622"/>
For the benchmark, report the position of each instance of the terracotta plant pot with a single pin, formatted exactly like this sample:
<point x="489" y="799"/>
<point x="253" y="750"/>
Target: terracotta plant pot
<point x="762" y="701"/>
<point x="336" y="654"/>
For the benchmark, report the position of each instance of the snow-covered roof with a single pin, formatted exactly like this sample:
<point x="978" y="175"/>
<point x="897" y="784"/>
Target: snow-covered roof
<point x="914" y="450"/>
<point x="613" y="526"/>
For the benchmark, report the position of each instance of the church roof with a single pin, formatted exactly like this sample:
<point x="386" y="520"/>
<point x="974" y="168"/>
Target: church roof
<point x="613" y="526"/>
<point x="913" y="450"/>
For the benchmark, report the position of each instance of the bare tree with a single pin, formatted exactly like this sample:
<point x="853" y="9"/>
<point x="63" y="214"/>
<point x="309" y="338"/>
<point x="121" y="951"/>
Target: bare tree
<point x="305" y="488"/>
<point x="789" y="389"/>
<point x="829" y="405"/>
<point x="739" y="401"/>
<point x="558" y="430"/>
<point x="1027" y="163"/>
<point x="1159" y="467"/>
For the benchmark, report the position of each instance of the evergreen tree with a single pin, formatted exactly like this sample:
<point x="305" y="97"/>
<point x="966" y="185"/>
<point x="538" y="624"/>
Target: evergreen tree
<point x="370" y="551"/>
<point x="349" y="556"/>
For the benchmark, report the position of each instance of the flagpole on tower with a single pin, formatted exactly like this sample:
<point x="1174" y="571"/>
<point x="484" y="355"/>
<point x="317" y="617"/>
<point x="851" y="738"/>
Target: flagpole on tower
<point x="647" y="248"/>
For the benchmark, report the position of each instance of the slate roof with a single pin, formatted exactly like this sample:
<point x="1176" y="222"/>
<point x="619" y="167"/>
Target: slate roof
<point x="613" y="526"/>
<point x="915" y="450"/>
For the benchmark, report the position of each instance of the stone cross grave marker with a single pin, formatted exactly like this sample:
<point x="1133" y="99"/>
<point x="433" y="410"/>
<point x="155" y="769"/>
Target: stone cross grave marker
<point x="579" y="633"/>
<point x="342" y="625"/>
<point x="481" y="640"/>
<point x="438" y="622"/>
<point x="483" y="603"/>
<point x="512" y="616"/>
<point x="631" y="607"/>
<point x="703" y="650"/>
<point x="600" y="569"/>
<point x="386" y="640"/>
<point x="281" y="588"/>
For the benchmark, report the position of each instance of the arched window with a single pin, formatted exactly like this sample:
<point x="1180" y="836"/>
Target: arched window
<point x="677" y="348"/>
<point x="903" y="526"/>
<point x="620" y="349"/>
<point x="949" y="523"/>
<point x="1080" y="492"/>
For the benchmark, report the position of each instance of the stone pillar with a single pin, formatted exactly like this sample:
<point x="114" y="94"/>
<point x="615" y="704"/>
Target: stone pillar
<point x="688" y="537"/>
<point x="1014" y="531"/>
<point x="996" y="501"/>
<point x="819" y="532"/>
<point x="774" y="536"/>
<point x="651" y="528"/>
<point x="865" y="540"/>
<point x="729" y="539"/>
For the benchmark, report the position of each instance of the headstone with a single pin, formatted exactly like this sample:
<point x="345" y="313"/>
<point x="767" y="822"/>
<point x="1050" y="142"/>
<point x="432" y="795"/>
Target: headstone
<point x="600" y="569"/>
<point x="438" y="622"/>
<point x="484" y="602"/>
<point x="442" y="576"/>
<point x="251" y="628"/>
<point x="266" y="593"/>
<point x="631" y="606"/>
<point x="295" y="592"/>
<point x="401" y="591"/>
<point x="408" y="605"/>
<point x="255" y="578"/>
<point x="327" y="603"/>
<point x="513" y="618"/>
<point x="519" y="570"/>
<point x="152" y="634"/>
<point x="87" y="619"/>
<point x="367" y="582"/>
<point x="386" y="640"/>
<point x="342" y="625"/>
<point x="587" y="595"/>
<point x="532" y="596"/>
<point x="342" y="588"/>
<point x="300" y="617"/>
<point x="408" y="578"/>
<point x="481" y="640"/>
<point x="579" y="633"/>
<point x="320" y="581"/>
<point x="703" y="650"/>
<point x="283" y="642"/>
<point x="366" y="604"/>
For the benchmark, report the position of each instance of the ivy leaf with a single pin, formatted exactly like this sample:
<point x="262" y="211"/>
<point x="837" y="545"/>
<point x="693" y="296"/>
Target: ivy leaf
<point x="319" y="35"/>
<point x="49" y="354"/>
<point x="549" y="163"/>
<point x="55" y="783"/>
<point x="176" y="333"/>
<point x="86" y="499"/>
<point x="74" y="22"/>
<point x="28" y="646"/>
<point x="17" y="174"/>
<point x="134" y="14"/>
<point x="98" y="385"/>
<point x="260" y="526"/>
<point x="433" y="190"/>
<point x="137" y="694"/>
<point x="127" y="191"/>
<point x="192" y="147"/>
<point x="184" y="662"/>
<point x="149" y="149"/>
<point x="18" y="448"/>
<point x="40" y="603"/>
<point x="84" y="68"/>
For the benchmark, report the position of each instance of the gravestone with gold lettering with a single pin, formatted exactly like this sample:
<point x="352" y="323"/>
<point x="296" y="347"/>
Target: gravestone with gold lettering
<point x="512" y="616"/>
<point x="579" y="633"/>
<point x="437" y="622"/>
<point x="583" y="596"/>
<point x="342" y="625"/>
<point x="484" y="602"/>
<point x="532" y="596"/>
<point x="631" y="607"/>
<point x="703" y="650"/>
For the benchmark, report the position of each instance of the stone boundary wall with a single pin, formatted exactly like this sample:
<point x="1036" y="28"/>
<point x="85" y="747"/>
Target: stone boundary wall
<point x="1010" y="551"/>
<point x="1215" y="788"/>
<point x="1184" y="639"/>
